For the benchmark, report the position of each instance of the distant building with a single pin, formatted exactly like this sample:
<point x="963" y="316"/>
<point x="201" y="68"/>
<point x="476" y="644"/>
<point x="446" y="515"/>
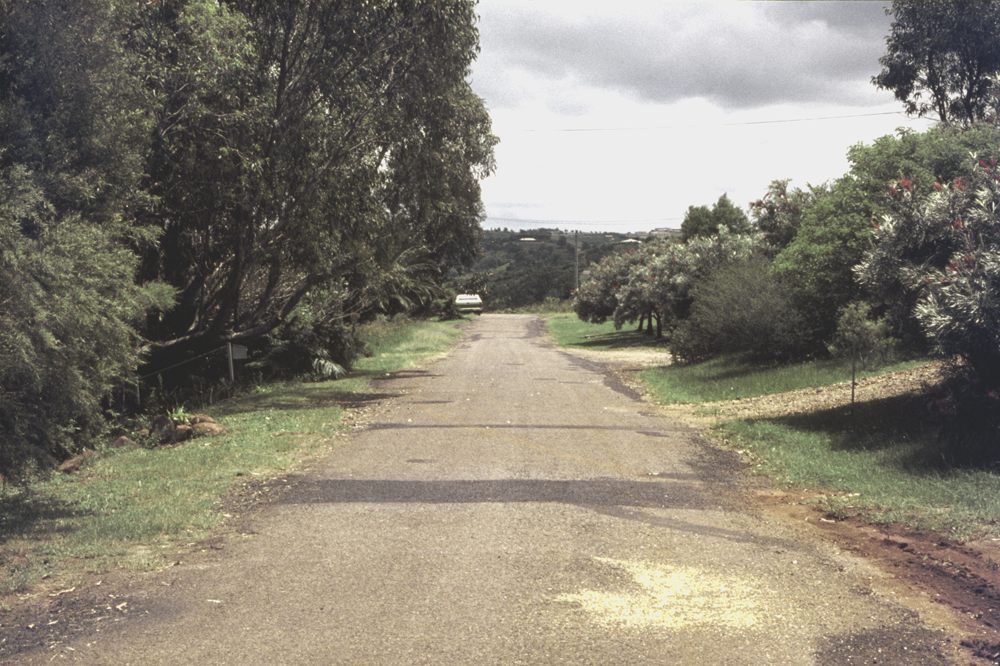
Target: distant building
<point x="665" y="231"/>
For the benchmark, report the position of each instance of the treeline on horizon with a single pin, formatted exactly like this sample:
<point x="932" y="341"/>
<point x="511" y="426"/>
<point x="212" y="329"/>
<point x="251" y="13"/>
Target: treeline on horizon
<point x="182" y="174"/>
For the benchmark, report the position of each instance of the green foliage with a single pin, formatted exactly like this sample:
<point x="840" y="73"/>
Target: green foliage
<point x="816" y="266"/>
<point x="779" y="213"/>
<point x="835" y="224"/>
<point x="596" y="300"/>
<point x="446" y="309"/>
<point x="315" y="352"/>
<point x="249" y="157"/>
<point x="515" y="273"/>
<point x="922" y="159"/>
<point x="939" y="253"/>
<point x="666" y="282"/>
<point x="741" y="308"/>
<point x="307" y="146"/>
<point x="654" y="282"/>
<point x="68" y="305"/>
<point x="858" y="336"/>
<point x="940" y="56"/>
<point x="701" y="221"/>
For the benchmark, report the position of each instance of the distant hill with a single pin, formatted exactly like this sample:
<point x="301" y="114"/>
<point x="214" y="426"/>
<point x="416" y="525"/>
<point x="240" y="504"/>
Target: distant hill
<point x="529" y="267"/>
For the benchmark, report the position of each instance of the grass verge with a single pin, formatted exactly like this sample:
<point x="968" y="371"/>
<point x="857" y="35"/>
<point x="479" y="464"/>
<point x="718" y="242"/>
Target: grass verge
<point x="733" y="378"/>
<point x="881" y="461"/>
<point x="126" y="507"/>
<point x="569" y="331"/>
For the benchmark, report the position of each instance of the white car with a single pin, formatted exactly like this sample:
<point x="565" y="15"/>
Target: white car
<point x="469" y="303"/>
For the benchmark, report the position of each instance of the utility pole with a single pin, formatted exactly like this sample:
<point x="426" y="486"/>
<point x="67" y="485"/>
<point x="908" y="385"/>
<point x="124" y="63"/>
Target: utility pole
<point x="576" y="237"/>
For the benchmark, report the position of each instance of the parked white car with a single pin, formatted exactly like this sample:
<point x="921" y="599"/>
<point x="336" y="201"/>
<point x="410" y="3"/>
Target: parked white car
<point x="469" y="303"/>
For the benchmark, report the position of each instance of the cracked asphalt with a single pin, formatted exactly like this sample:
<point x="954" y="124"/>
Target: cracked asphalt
<point x="513" y="505"/>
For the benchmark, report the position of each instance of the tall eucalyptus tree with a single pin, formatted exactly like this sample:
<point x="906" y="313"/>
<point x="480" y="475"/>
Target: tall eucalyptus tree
<point x="303" y="145"/>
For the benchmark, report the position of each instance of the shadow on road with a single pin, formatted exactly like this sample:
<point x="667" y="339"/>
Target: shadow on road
<point x="618" y="498"/>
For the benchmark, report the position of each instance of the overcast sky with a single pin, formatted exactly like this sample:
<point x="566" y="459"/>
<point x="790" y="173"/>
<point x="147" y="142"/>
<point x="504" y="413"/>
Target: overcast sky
<point x="617" y="116"/>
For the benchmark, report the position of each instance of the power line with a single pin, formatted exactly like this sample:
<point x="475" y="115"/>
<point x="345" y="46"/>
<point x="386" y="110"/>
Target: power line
<point x="748" y="122"/>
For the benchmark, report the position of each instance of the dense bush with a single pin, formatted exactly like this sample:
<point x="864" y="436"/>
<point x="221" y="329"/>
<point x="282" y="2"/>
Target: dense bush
<point x="67" y="338"/>
<point x="70" y="158"/>
<point x="939" y="253"/>
<point x="859" y="337"/>
<point x="742" y="308"/>
<point x="596" y="301"/>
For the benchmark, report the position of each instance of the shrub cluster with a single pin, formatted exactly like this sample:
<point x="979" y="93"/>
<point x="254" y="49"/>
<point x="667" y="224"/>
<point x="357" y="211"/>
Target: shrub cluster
<point x="901" y="254"/>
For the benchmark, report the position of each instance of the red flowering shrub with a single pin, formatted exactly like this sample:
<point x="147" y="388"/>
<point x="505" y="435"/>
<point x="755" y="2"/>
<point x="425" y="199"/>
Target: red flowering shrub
<point x="943" y="253"/>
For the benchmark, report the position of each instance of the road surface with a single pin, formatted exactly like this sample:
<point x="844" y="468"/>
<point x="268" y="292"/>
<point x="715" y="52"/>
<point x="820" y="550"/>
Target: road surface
<point x="512" y="505"/>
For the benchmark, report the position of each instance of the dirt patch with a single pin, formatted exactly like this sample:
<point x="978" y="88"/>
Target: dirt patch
<point x="951" y="583"/>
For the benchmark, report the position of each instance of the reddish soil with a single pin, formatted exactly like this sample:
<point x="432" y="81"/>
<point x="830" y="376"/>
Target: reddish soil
<point x="951" y="583"/>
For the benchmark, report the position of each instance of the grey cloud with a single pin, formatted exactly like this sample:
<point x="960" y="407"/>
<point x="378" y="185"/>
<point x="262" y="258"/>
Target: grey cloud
<point x="861" y="18"/>
<point x="769" y="53"/>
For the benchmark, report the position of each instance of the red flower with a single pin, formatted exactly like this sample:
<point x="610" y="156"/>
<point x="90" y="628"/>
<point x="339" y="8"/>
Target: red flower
<point x="959" y="185"/>
<point x="875" y="224"/>
<point x="906" y="184"/>
<point x="938" y="187"/>
<point x="957" y="224"/>
<point x="968" y="259"/>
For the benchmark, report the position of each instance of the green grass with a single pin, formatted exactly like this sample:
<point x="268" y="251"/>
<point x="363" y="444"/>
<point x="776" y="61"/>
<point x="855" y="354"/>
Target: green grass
<point x="732" y="378"/>
<point x="880" y="461"/>
<point x="569" y="331"/>
<point x="126" y="508"/>
<point x="882" y="474"/>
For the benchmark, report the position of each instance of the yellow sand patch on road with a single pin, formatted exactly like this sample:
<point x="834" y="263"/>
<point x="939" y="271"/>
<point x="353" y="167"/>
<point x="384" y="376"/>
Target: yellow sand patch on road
<point x="678" y="597"/>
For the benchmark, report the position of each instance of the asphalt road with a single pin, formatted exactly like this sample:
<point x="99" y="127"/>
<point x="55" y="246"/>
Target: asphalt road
<point x="512" y="506"/>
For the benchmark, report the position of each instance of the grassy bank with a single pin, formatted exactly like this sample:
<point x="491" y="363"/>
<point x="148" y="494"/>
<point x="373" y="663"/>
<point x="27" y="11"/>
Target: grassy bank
<point x="569" y="331"/>
<point x="125" y="507"/>
<point x="881" y="461"/>
<point x="879" y="472"/>
<point x="733" y="378"/>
